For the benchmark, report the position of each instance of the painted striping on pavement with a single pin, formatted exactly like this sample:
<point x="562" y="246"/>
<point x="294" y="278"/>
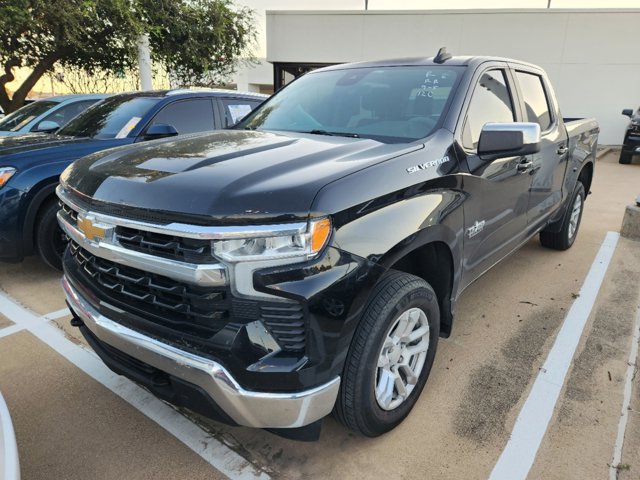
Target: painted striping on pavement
<point x="211" y="450"/>
<point x="531" y="425"/>
<point x="626" y="400"/>
<point x="5" y="332"/>
<point x="57" y="314"/>
<point x="9" y="464"/>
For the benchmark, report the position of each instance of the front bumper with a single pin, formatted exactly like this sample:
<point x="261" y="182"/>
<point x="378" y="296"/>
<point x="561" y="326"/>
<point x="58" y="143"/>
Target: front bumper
<point x="244" y="407"/>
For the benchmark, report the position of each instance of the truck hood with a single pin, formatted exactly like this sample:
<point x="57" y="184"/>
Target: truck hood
<point x="226" y="176"/>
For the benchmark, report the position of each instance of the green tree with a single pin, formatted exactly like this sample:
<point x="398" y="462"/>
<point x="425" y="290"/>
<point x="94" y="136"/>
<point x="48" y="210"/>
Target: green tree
<point x="199" y="41"/>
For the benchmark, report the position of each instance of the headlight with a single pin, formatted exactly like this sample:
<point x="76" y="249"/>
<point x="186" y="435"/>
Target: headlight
<point x="304" y="245"/>
<point x="5" y="174"/>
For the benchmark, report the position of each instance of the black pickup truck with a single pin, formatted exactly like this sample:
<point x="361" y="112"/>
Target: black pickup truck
<point x="307" y="260"/>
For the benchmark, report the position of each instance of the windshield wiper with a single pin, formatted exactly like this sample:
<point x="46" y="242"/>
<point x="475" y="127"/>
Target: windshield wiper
<point x="333" y="134"/>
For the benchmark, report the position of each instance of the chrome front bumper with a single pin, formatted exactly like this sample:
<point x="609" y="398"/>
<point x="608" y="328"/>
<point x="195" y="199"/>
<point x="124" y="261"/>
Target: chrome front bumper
<point x="245" y="407"/>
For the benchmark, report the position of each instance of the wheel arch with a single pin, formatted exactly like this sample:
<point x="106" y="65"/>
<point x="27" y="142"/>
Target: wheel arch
<point x="434" y="261"/>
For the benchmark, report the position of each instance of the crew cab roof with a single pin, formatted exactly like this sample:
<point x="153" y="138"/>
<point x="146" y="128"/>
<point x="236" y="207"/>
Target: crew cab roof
<point x="472" y="61"/>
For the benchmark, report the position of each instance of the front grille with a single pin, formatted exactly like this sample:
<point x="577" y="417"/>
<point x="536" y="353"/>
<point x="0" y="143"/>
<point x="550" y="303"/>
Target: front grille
<point x="182" y="313"/>
<point x="71" y="213"/>
<point x="198" y="311"/>
<point x="166" y="246"/>
<point x="286" y="324"/>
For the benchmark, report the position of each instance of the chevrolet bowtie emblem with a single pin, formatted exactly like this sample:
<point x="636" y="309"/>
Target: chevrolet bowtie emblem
<point x="91" y="229"/>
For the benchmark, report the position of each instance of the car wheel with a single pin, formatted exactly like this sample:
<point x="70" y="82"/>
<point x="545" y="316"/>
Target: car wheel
<point x="625" y="158"/>
<point x="563" y="239"/>
<point x="50" y="239"/>
<point x="391" y="355"/>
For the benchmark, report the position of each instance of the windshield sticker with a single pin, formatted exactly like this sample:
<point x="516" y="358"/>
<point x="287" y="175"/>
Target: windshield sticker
<point x="130" y="125"/>
<point x="432" y="163"/>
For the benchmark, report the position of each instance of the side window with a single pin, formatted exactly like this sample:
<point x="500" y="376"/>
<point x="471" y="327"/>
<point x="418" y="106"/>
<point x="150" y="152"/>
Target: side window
<point x="65" y="114"/>
<point x="235" y="109"/>
<point x="491" y="102"/>
<point x="535" y="99"/>
<point x="187" y="116"/>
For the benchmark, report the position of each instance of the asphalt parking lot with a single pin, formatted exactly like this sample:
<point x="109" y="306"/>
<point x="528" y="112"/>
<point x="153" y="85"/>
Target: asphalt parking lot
<point x="75" y="420"/>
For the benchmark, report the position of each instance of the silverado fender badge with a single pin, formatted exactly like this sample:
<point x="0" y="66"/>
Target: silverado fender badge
<point x="475" y="229"/>
<point x="424" y="166"/>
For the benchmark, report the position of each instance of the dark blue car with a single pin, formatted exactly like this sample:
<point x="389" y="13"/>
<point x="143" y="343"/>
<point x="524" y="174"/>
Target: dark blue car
<point x="31" y="164"/>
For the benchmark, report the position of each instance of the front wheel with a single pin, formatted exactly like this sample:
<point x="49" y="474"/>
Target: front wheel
<point x="50" y="239"/>
<point x="563" y="239"/>
<point x="391" y="355"/>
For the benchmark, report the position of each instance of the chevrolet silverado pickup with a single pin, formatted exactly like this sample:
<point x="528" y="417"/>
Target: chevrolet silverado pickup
<point x="307" y="261"/>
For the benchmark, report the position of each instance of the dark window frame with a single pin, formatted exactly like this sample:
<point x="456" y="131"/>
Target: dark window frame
<point x="211" y="100"/>
<point x="545" y="90"/>
<point x="515" y="106"/>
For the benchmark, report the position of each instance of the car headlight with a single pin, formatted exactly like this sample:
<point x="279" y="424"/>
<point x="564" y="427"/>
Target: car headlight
<point x="273" y="246"/>
<point x="5" y="174"/>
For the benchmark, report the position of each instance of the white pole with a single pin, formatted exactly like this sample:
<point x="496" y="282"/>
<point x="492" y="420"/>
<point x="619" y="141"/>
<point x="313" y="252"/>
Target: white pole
<point x="144" y="62"/>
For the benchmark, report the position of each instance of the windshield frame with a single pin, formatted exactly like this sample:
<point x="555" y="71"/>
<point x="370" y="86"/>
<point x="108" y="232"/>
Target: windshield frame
<point x="460" y="73"/>
<point x="79" y="127"/>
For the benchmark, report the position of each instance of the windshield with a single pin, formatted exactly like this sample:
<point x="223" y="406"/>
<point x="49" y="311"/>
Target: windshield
<point x="389" y="104"/>
<point x="22" y="116"/>
<point x="112" y="118"/>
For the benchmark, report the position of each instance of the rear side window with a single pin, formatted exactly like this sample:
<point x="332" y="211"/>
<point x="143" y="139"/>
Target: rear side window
<point x="235" y="109"/>
<point x="66" y="113"/>
<point x="535" y="99"/>
<point x="491" y="102"/>
<point x="187" y="116"/>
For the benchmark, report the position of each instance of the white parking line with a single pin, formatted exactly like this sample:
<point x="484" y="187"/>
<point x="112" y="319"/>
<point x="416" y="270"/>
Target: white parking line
<point x="532" y="422"/>
<point x="57" y="314"/>
<point x="628" y="387"/>
<point x="211" y="450"/>
<point x="5" y="332"/>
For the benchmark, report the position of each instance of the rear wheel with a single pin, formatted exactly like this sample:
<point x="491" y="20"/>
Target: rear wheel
<point x="563" y="239"/>
<point x="50" y="240"/>
<point x="390" y="356"/>
<point x="625" y="158"/>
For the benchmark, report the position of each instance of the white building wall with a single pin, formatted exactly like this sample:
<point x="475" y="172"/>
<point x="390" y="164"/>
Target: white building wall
<point x="249" y="78"/>
<point x="591" y="56"/>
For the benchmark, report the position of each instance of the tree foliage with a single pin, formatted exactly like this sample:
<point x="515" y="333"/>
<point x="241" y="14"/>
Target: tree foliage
<point x="198" y="41"/>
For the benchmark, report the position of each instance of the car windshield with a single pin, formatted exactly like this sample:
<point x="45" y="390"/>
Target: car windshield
<point x="112" y="118"/>
<point x="388" y="104"/>
<point x="22" y="116"/>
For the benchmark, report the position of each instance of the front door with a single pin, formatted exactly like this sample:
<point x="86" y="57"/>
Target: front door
<point x="495" y="212"/>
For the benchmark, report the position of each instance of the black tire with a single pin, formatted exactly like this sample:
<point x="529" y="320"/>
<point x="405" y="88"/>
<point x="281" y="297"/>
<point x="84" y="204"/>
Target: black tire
<point x="49" y="238"/>
<point x="563" y="239"/>
<point x="625" y="158"/>
<point x="357" y="406"/>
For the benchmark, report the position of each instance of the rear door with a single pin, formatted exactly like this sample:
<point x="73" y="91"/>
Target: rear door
<point x="548" y="166"/>
<point x="495" y="212"/>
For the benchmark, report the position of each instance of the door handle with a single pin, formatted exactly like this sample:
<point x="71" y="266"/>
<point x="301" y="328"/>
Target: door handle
<point x="562" y="150"/>
<point x="524" y="166"/>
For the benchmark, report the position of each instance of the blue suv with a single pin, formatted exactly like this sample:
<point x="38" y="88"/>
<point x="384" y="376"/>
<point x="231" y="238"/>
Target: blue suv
<point x="30" y="165"/>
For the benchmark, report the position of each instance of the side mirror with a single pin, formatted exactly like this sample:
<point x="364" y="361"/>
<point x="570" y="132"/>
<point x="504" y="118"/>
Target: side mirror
<point x="47" y="126"/>
<point x="499" y="140"/>
<point x="627" y="112"/>
<point x="160" y="130"/>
